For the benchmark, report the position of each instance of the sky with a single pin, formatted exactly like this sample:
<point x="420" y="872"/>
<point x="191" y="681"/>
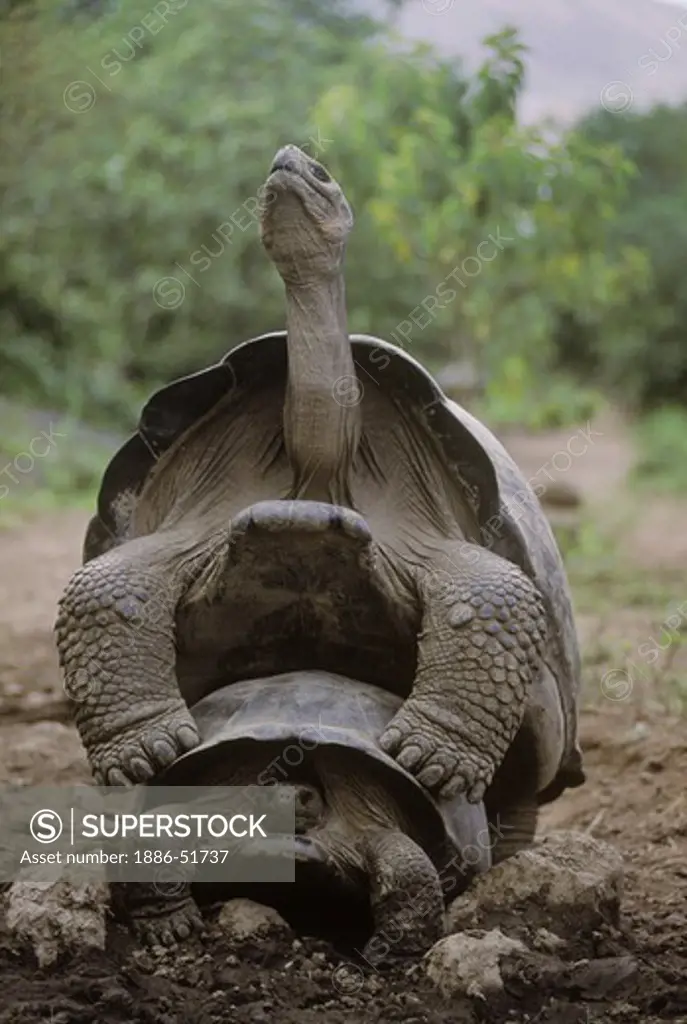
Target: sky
<point x="626" y="54"/>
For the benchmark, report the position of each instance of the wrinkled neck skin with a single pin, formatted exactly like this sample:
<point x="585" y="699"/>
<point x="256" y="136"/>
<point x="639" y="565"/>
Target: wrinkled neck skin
<point x="322" y="417"/>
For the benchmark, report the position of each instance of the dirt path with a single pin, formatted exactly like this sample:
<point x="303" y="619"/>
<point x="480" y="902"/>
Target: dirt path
<point x="36" y="740"/>
<point x="635" y="745"/>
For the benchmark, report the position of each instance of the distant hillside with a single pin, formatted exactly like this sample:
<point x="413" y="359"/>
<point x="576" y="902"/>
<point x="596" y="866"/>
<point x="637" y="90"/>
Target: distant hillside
<point x="578" y="47"/>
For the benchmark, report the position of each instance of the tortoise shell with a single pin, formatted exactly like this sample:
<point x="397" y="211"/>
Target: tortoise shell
<point x="510" y="517"/>
<point x="301" y="712"/>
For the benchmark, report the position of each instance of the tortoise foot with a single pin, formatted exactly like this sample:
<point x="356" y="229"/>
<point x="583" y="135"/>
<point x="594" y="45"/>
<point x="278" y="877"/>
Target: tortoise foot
<point x="138" y="753"/>
<point x="422" y="741"/>
<point x="157" y="926"/>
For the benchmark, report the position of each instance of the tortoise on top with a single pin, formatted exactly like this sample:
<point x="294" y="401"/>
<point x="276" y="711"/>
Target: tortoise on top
<point x="316" y="502"/>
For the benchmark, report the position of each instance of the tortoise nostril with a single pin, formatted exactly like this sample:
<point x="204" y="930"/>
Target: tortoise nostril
<point x="283" y="164"/>
<point x="307" y="799"/>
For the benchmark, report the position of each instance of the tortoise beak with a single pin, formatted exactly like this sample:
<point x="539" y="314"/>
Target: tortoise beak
<point x="301" y="848"/>
<point x="314" y="864"/>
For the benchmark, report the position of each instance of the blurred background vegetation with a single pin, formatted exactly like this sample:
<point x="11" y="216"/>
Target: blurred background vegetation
<point x="135" y="140"/>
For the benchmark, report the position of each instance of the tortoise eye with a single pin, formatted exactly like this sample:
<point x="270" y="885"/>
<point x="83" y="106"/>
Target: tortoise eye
<point x="319" y="172"/>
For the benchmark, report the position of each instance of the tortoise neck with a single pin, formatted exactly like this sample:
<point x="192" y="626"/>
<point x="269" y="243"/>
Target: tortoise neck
<point x="322" y="416"/>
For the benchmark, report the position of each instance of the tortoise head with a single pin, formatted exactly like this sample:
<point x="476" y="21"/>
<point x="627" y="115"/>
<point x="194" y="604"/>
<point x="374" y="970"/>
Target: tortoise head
<point x="305" y="218"/>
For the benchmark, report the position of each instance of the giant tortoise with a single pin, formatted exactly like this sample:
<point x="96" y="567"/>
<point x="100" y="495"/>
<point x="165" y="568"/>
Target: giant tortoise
<point x="314" y="501"/>
<point x="371" y="847"/>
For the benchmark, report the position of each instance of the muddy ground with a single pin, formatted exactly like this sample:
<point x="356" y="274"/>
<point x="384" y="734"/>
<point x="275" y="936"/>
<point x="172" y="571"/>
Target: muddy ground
<point x="634" y="734"/>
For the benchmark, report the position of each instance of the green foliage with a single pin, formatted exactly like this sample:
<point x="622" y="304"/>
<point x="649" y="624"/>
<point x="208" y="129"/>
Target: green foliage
<point x="645" y="358"/>
<point x="135" y="147"/>
<point x="602" y="573"/>
<point x="515" y="398"/>
<point x="156" y="180"/>
<point x="508" y="226"/>
<point x="662" y="439"/>
<point x="39" y="476"/>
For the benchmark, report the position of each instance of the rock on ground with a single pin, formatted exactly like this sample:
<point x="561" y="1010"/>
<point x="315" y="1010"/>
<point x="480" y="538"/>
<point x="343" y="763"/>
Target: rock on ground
<point x="55" y="916"/>
<point x="468" y="964"/>
<point x="566" y="883"/>
<point x="243" y="920"/>
<point x="560" y="494"/>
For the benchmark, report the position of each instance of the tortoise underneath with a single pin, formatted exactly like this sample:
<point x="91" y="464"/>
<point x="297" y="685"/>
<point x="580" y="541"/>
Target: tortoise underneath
<point x="374" y="855"/>
<point x="315" y="501"/>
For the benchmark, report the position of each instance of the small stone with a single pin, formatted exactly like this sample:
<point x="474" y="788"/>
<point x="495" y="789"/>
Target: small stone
<point x="560" y="494"/>
<point x="468" y="964"/>
<point x="55" y="914"/>
<point x="566" y="883"/>
<point x="243" y="920"/>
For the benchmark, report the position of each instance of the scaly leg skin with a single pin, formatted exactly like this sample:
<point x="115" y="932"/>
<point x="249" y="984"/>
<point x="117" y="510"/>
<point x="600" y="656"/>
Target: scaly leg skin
<point x="116" y="643"/>
<point x="480" y="647"/>
<point x="406" y="898"/>
<point x="155" y="919"/>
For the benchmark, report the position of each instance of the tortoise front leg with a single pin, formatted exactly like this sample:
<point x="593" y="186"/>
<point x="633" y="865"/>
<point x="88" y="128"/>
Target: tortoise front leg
<point x="116" y="643"/>
<point x="480" y="647"/>
<point x="405" y="895"/>
<point x="155" y="918"/>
